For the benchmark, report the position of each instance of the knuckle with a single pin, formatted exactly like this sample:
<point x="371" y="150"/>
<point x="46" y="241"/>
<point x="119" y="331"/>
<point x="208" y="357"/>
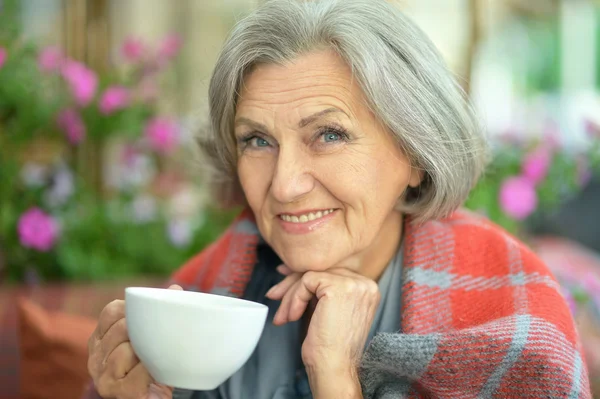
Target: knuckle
<point x="115" y="307"/>
<point x="350" y="286"/>
<point x="107" y="312"/>
<point x="372" y="288"/>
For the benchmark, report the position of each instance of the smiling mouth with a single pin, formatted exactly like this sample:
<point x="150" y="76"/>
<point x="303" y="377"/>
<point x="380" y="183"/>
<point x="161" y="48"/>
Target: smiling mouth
<point x="307" y="217"/>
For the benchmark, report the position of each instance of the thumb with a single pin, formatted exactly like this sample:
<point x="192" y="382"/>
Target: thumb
<point x="175" y="287"/>
<point x="158" y="391"/>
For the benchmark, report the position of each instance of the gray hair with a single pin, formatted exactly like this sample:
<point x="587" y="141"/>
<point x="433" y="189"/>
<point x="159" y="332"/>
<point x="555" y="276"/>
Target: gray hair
<point x="403" y="77"/>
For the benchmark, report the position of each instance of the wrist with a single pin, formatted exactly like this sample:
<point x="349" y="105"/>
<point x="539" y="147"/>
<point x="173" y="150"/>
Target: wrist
<point x="334" y="382"/>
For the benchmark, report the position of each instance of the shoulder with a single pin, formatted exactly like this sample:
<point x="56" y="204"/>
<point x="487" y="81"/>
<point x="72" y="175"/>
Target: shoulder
<point x="476" y="244"/>
<point x="234" y="248"/>
<point x="487" y="273"/>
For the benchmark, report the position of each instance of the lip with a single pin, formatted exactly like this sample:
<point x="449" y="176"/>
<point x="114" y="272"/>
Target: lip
<point x="307" y="227"/>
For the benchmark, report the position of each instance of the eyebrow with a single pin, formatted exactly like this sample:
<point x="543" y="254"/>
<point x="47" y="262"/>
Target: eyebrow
<point x="303" y="122"/>
<point x="310" y="119"/>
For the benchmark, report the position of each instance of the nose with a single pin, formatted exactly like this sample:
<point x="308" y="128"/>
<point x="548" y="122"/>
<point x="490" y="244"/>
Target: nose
<point x="292" y="179"/>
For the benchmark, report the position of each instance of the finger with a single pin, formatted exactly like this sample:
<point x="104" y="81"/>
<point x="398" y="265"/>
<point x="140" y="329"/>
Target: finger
<point x="121" y="361"/>
<point x="175" y="287"/>
<point x="300" y="298"/>
<point x="279" y="290"/>
<point x="281" y="316"/>
<point x="116" y="335"/>
<point x="283" y="269"/>
<point x="135" y="385"/>
<point x="111" y="313"/>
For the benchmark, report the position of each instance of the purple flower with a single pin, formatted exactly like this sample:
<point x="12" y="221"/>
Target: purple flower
<point x="536" y="164"/>
<point x="180" y="232"/>
<point x="71" y="123"/>
<point x="133" y="49"/>
<point x="169" y="48"/>
<point x="82" y="81"/>
<point x="37" y="230"/>
<point x="114" y="99"/>
<point x="162" y="135"/>
<point x="518" y="198"/>
<point x="50" y="59"/>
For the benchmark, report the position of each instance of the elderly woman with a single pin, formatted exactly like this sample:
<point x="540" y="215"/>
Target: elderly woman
<point x="338" y="127"/>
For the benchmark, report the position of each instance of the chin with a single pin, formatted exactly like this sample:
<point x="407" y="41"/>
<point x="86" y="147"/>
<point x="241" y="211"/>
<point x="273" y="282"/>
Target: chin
<point x="303" y="261"/>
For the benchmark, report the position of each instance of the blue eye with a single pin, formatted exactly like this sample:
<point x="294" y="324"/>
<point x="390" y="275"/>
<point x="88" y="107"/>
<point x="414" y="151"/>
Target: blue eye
<point x="331" y="137"/>
<point x="260" y="142"/>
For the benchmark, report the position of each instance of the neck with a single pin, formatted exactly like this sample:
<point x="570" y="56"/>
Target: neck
<point x="374" y="260"/>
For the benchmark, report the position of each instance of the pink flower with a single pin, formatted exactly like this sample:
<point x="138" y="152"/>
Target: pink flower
<point x="71" y="123"/>
<point x="82" y="82"/>
<point x="113" y="99"/>
<point x="169" y="48"/>
<point x="133" y="49"/>
<point x="161" y="134"/>
<point x="518" y="198"/>
<point x="37" y="230"/>
<point x="3" y="56"/>
<point x="50" y="59"/>
<point x="536" y="164"/>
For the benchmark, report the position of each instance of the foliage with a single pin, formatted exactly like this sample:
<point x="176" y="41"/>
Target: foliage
<point x="548" y="174"/>
<point x="55" y="222"/>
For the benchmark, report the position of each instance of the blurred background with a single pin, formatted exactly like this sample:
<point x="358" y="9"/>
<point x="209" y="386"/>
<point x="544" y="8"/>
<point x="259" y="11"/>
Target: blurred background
<point x="101" y="187"/>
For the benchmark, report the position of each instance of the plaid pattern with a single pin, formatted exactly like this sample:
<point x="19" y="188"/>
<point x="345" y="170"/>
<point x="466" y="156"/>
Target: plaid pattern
<point x="83" y="300"/>
<point x="482" y="315"/>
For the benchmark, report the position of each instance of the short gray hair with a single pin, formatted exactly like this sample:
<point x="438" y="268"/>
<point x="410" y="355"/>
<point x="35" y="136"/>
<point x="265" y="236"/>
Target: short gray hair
<point x="405" y="81"/>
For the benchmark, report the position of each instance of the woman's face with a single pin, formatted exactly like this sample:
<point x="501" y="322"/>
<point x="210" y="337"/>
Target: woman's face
<point x="320" y="173"/>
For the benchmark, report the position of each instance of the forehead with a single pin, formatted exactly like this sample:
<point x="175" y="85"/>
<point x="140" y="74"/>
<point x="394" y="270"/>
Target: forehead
<point x="313" y="80"/>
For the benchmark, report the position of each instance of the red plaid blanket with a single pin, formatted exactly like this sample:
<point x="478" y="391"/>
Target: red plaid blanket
<point x="482" y="315"/>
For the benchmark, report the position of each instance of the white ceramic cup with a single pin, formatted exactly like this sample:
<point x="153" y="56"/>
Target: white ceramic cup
<point x="192" y="340"/>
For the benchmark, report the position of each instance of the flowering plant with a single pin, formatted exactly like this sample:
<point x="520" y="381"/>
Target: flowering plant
<point x="529" y="178"/>
<point x="55" y="221"/>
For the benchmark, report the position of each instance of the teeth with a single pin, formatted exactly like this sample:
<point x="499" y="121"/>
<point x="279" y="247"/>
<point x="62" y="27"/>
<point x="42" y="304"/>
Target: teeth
<point x="307" y="217"/>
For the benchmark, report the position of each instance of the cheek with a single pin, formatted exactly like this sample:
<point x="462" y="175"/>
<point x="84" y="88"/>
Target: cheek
<point x="370" y="183"/>
<point x="255" y="177"/>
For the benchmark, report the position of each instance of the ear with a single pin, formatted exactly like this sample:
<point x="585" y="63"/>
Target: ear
<point x="416" y="177"/>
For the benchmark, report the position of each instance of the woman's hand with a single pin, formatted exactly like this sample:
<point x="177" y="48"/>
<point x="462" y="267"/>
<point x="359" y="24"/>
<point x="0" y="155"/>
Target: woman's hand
<point x="114" y="367"/>
<point x="346" y="303"/>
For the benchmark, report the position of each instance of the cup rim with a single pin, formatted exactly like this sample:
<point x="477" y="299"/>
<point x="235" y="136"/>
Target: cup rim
<point x="224" y="302"/>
